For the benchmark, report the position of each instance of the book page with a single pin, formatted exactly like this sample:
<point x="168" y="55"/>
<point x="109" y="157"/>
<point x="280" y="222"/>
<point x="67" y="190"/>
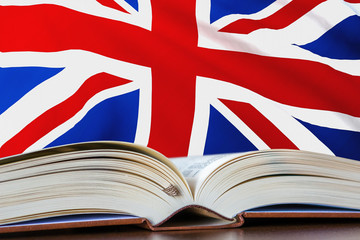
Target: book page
<point x="196" y="168"/>
<point x="191" y="166"/>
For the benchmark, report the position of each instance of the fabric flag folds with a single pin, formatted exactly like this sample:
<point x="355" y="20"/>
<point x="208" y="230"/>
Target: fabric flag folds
<point x="183" y="77"/>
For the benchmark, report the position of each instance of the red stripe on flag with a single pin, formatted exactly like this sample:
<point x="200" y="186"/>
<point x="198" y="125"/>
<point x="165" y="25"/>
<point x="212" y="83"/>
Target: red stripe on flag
<point x="293" y="82"/>
<point x="52" y="28"/>
<point x="59" y="114"/>
<point x="281" y="19"/>
<point x="261" y="126"/>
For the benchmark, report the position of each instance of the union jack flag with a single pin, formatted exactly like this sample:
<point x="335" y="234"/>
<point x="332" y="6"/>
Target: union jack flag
<point x="183" y="77"/>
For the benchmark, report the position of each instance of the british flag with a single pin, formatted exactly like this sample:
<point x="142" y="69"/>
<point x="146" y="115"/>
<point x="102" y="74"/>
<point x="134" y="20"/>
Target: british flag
<point x="183" y="77"/>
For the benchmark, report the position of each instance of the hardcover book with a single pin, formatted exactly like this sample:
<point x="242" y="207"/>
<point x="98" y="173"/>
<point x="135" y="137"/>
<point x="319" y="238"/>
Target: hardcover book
<point x="116" y="183"/>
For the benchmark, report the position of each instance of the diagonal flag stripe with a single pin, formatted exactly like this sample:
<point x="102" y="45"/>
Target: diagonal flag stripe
<point x="281" y="19"/>
<point x="60" y="113"/>
<point x="112" y="4"/>
<point x="265" y="129"/>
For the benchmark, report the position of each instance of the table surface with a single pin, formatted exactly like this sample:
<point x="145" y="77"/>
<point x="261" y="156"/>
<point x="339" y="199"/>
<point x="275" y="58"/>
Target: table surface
<point x="254" y="229"/>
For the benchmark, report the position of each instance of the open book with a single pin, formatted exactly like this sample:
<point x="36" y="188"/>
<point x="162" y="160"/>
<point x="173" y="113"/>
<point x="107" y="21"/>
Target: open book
<point x="102" y="183"/>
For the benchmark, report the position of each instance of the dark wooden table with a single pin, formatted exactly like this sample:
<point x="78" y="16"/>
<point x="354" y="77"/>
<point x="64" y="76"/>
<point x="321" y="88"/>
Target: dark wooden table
<point x="292" y="229"/>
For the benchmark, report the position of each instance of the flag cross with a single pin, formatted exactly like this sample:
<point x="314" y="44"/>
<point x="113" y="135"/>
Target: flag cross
<point x="171" y="50"/>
